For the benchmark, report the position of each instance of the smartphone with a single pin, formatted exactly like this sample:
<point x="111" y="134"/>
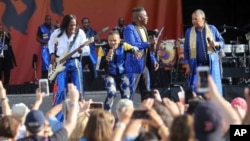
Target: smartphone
<point x="188" y="93"/>
<point x="44" y="86"/>
<point x="96" y="105"/>
<point x="202" y="81"/>
<point x="140" y="114"/>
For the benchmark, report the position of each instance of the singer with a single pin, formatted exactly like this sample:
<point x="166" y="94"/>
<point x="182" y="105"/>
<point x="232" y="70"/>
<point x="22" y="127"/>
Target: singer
<point x="115" y="69"/>
<point x="201" y="47"/>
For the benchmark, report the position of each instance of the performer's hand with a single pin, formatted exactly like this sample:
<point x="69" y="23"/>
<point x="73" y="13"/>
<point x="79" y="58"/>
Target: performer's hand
<point x="56" y="44"/>
<point x="188" y="70"/>
<point x="110" y="54"/>
<point x="138" y="54"/>
<point x="213" y="43"/>
<point x="156" y="66"/>
<point x="79" y="51"/>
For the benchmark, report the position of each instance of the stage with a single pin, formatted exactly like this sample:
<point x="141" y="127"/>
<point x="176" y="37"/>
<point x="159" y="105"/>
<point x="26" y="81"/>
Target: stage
<point x="164" y="81"/>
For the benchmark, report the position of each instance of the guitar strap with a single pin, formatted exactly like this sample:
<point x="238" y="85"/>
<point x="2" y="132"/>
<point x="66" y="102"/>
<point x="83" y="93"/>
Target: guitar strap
<point x="74" y="39"/>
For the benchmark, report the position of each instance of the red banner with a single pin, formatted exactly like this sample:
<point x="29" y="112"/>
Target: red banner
<point x="22" y="18"/>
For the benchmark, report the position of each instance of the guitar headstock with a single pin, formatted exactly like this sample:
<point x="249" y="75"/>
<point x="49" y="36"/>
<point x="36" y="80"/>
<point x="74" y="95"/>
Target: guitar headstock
<point x="91" y="40"/>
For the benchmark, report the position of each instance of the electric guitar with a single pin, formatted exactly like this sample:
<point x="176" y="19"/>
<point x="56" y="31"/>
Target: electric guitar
<point x="58" y="66"/>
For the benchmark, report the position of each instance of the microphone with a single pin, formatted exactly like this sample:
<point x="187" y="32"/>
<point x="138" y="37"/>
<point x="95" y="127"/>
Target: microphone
<point x="209" y="40"/>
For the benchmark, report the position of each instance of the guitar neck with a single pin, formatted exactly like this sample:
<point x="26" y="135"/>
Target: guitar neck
<point x="85" y="44"/>
<point x="71" y="53"/>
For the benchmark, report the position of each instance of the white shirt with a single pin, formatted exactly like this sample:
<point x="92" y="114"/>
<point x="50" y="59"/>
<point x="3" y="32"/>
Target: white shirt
<point x="64" y="42"/>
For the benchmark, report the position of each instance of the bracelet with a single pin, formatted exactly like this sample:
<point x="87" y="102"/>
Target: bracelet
<point x="120" y="124"/>
<point x="4" y="99"/>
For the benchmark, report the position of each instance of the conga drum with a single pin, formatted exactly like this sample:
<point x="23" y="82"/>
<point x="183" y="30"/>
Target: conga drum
<point x="168" y="54"/>
<point x="180" y="54"/>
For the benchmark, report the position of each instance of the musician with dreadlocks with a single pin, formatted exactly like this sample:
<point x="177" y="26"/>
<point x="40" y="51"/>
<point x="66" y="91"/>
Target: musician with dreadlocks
<point x="67" y="38"/>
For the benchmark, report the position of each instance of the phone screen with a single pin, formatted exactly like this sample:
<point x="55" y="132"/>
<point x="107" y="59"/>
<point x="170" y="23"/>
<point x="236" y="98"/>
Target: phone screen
<point x="44" y="86"/>
<point x="140" y="114"/>
<point x="202" y="79"/>
<point x="96" y="105"/>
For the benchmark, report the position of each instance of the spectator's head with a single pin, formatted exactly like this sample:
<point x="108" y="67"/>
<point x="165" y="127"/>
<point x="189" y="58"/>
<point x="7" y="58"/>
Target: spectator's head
<point x="20" y="110"/>
<point x="193" y="103"/>
<point x="9" y="127"/>
<point x="35" y="121"/>
<point x="208" y="122"/>
<point x="182" y="124"/>
<point x="240" y="102"/>
<point x="123" y="104"/>
<point x="164" y="114"/>
<point x="82" y="121"/>
<point x="100" y="125"/>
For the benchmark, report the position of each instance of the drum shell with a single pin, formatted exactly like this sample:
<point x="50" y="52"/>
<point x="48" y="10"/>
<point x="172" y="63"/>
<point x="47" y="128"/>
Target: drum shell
<point x="240" y="49"/>
<point x="228" y="49"/>
<point x="167" y="54"/>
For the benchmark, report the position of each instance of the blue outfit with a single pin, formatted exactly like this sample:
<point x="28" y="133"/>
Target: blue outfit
<point x="44" y="32"/>
<point x="91" y="59"/>
<point x="141" y="66"/>
<point x="116" y="75"/>
<point x="213" y="59"/>
<point x="73" y="67"/>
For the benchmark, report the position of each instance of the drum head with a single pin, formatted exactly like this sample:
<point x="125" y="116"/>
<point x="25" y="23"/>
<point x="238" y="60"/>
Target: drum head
<point x="168" y="53"/>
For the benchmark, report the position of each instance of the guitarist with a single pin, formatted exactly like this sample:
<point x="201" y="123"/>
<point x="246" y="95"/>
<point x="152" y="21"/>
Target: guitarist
<point x="68" y="38"/>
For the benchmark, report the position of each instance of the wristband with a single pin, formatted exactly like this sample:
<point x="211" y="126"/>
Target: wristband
<point x="120" y="124"/>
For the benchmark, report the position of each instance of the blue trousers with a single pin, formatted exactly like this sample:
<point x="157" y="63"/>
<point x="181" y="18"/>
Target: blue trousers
<point x="72" y="73"/>
<point x="112" y="82"/>
<point x="45" y="58"/>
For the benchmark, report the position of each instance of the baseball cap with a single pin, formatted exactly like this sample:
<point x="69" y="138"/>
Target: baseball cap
<point x="20" y="110"/>
<point x="35" y="120"/>
<point x="208" y="122"/>
<point x="239" y="102"/>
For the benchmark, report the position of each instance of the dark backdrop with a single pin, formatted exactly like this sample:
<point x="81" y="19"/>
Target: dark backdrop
<point x="232" y="13"/>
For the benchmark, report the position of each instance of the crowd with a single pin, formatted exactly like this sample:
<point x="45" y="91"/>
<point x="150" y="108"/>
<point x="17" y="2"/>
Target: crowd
<point x="206" y="118"/>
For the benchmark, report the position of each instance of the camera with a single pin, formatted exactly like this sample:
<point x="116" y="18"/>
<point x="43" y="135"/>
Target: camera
<point x="44" y="86"/>
<point x="140" y="114"/>
<point x="202" y="81"/>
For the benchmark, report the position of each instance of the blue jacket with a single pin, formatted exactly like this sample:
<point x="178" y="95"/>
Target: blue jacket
<point x="116" y="65"/>
<point x="133" y="37"/>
